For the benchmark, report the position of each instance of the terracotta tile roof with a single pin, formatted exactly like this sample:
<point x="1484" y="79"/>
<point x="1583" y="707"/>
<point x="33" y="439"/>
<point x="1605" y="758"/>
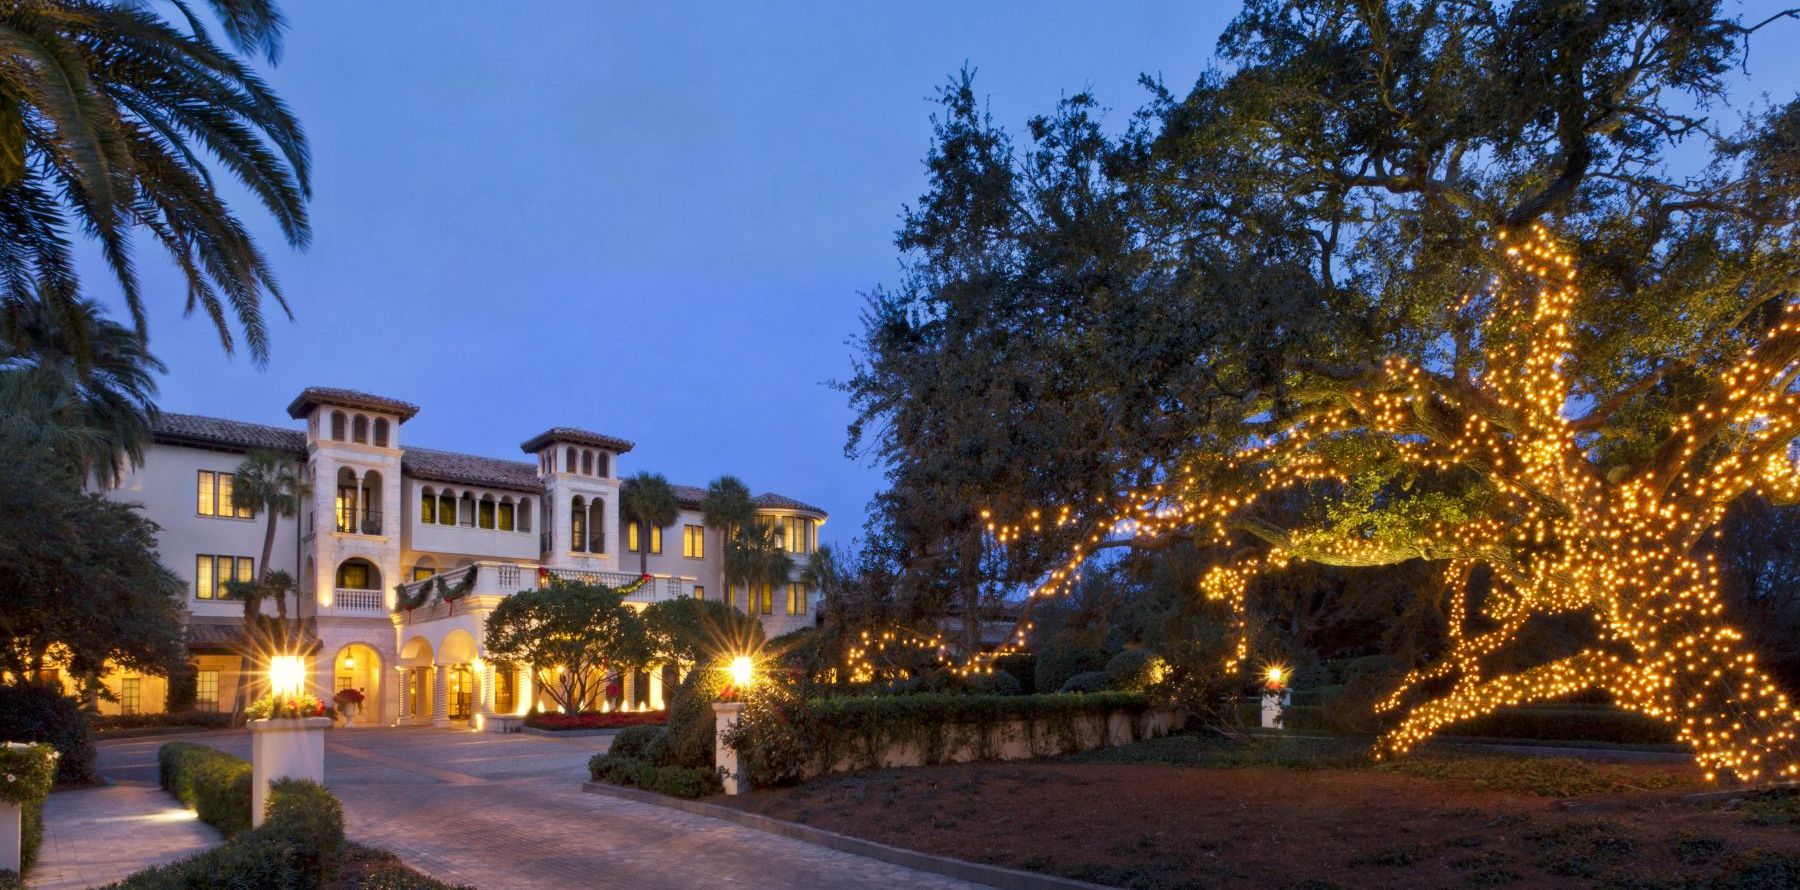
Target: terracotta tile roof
<point x="469" y="469"/>
<point x="193" y="429"/>
<point x="575" y="437"/>
<point x="692" y="496"/>
<point x="218" y="634"/>
<point x="325" y="395"/>
<point x="769" y="500"/>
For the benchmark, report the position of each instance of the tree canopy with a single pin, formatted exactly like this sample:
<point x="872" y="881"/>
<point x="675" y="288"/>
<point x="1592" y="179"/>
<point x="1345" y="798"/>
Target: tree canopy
<point x="569" y="634"/>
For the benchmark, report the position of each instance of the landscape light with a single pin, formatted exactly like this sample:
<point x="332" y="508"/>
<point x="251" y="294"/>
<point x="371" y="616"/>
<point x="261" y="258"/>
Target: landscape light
<point x="743" y="671"/>
<point x="287" y="676"/>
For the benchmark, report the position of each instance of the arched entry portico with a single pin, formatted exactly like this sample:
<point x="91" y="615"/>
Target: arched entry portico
<point x="459" y="683"/>
<point x="416" y="682"/>
<point x="358" y="666"/>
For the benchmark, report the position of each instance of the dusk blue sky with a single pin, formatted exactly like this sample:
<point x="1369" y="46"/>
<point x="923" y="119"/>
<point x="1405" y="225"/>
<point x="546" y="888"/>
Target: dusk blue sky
<point x="651" y="220"/>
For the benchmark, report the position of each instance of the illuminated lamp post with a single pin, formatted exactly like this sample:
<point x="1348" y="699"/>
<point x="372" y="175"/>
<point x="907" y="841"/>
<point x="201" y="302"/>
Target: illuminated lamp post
<point x="283" y="746"/>
<point x="1276" y="696"/>
<point x="726" y="715"/>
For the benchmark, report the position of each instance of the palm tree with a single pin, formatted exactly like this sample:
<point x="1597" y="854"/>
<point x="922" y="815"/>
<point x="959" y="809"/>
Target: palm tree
<point x="823" y="573"/>
<point x="756" y="559"/>
<point x="647" y="500"/>
<point x="270" y="483"/>
<point x="727" y="507"/>
<point x="108" y="111"/>
<point x="91" y="403"/>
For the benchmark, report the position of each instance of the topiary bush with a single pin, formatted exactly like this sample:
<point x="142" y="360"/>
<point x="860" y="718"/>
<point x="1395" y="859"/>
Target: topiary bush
<point x="213" y="784"/>
<point x="774" y="737"/>
<point x="997" y="682"/>
<point x="692" y="727"/>
<point x="1065" y="656"/>
<point x="1086" y="681"/>
<point x="1134" y="670"/>
<point x="34" y="712"/>
<point x="28" y="772"/>
<point x="636" y="742"/>
<point x="1022" y="666"/>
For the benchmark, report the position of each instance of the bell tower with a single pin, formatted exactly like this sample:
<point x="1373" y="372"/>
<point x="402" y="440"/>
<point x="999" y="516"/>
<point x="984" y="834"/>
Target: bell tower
<point x="579" y="471"/>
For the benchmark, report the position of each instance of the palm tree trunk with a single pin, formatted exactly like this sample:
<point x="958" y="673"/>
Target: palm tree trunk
<point x="643" y="549"/>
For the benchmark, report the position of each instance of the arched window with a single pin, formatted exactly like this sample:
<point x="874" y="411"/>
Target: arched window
<point x="337" y="425"/>
<point x="587" y="463"/>
<point x="427" y="505"/>
<point x="578" y="525"/>
<point x="504" y="521"/>
<point x="358" y="574"/>
<point x="597" y="522"/>
<point x="446" y="514"/>
<point x="359" y="429"/>
<point x="381" y="432"/>
<point x="467" y="510"/>
<point x="424" y="568"/>
<point x="486" y="513"/>
<point x="524" y="514"/>
<point x="602" y="464"/>
<point x="569" y="464"/>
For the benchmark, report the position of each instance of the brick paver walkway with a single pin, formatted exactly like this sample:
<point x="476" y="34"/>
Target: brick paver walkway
<point x="99" y="835"/>
<point x="508" y="812"/>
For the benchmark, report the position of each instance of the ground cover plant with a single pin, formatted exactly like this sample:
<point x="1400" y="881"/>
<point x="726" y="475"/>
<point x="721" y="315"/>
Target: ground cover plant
<point x="596" y="720"/>
<point x="1198" y="811"/>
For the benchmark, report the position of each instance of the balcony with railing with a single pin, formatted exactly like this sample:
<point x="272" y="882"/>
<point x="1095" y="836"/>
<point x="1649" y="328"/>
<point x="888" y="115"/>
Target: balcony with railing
<point x="500" y="579"/>
<point x="352" y="601"/>
<point x="351" y="521"/>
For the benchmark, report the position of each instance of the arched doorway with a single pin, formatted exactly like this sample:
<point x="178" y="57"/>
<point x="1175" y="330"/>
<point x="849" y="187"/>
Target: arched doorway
<point x="415" y="681"/>
<point x="358" y="666"/>
<point x="462" y="685"/>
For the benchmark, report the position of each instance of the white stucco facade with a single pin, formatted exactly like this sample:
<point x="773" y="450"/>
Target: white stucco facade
<point x="382" y="514"/>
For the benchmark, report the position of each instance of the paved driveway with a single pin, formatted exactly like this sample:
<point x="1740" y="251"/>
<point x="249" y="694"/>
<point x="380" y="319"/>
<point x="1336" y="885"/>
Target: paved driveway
<point x="508" y="812"/>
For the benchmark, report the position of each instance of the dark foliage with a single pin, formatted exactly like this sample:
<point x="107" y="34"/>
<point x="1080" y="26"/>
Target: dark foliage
<point x="32" y="712"/>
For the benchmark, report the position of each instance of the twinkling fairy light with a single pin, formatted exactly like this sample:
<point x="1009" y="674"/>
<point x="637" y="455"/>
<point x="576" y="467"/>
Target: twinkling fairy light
<point x="1559" y="533"/>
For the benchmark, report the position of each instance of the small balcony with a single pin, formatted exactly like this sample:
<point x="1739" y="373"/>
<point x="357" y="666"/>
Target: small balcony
<point x="352" y="601"/>
<point x="358" y="522"/>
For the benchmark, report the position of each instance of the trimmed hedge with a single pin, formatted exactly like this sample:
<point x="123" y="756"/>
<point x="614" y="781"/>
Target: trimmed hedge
<point x="676" y="781"/>
<point x="1087" y="681"/>
<point x="595" y="720"/>
<point x="212" y="783"/>
<point x="862" y="730"/>
<point x="123" y="725"/>
<point x="299" y="846"/>
<point x="1543" y="723"/>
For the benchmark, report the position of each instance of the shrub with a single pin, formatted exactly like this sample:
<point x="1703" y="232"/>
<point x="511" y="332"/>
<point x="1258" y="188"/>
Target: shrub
<point x="29" y="772"/>
<point x="1133" y="670"/>
<point x="1065" y="656"/>
<point x="635" y="742"/>
<point x="774" y="736"/>
<point x="692" y="727"/>
<point x="1022" y="666"/>
<point x="183" y="690"/>
<point x="33" y="712"/>
<point x="117" y="725"/>
<point x="996" y="683"/>
<point x="212" y="783"/>
<point x="675" y="781"/>
<point x="299" y="846"/>
<point x="1086" y="681"/>
<point x="10" y="880"/>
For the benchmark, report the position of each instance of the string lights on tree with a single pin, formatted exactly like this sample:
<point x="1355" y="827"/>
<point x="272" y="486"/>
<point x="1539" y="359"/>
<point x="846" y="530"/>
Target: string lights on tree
<point x="1553" y="523"/>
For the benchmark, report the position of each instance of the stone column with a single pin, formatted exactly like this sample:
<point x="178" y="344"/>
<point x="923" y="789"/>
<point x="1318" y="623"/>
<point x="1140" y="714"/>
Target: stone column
<point x="657" y="692"/>
<point x="485" y="687"/>
<point x="440" y="695"/>
<point x="12" y="843"/>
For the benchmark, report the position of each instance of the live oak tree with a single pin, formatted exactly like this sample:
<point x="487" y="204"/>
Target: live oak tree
<point x="1304" y="260"/>
<point x="569" y="635"/>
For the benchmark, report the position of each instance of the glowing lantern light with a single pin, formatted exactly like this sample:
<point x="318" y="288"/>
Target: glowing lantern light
<point x="743" y="671"/>
<point x="287" y="676"/>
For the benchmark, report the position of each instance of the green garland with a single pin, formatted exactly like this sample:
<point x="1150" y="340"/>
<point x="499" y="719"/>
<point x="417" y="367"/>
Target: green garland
<point x="449" y="595"/>
<point x="26" y="772"/>
<point x="409" y="602"/>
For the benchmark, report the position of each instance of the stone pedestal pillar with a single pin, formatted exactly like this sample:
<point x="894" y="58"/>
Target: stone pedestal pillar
<point x="12" y="839"/>
<point x="440" y="695"/>
<point x="1274" y="704"/>
<point x="284" y="749"/>
<point x="725" y="716"/>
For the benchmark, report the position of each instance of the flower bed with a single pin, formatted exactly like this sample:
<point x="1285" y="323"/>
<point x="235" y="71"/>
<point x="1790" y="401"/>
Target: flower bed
<point x="596" y="720"/>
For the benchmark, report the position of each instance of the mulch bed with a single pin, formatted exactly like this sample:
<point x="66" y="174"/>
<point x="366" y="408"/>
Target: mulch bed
<point x="1171" y="826"/>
